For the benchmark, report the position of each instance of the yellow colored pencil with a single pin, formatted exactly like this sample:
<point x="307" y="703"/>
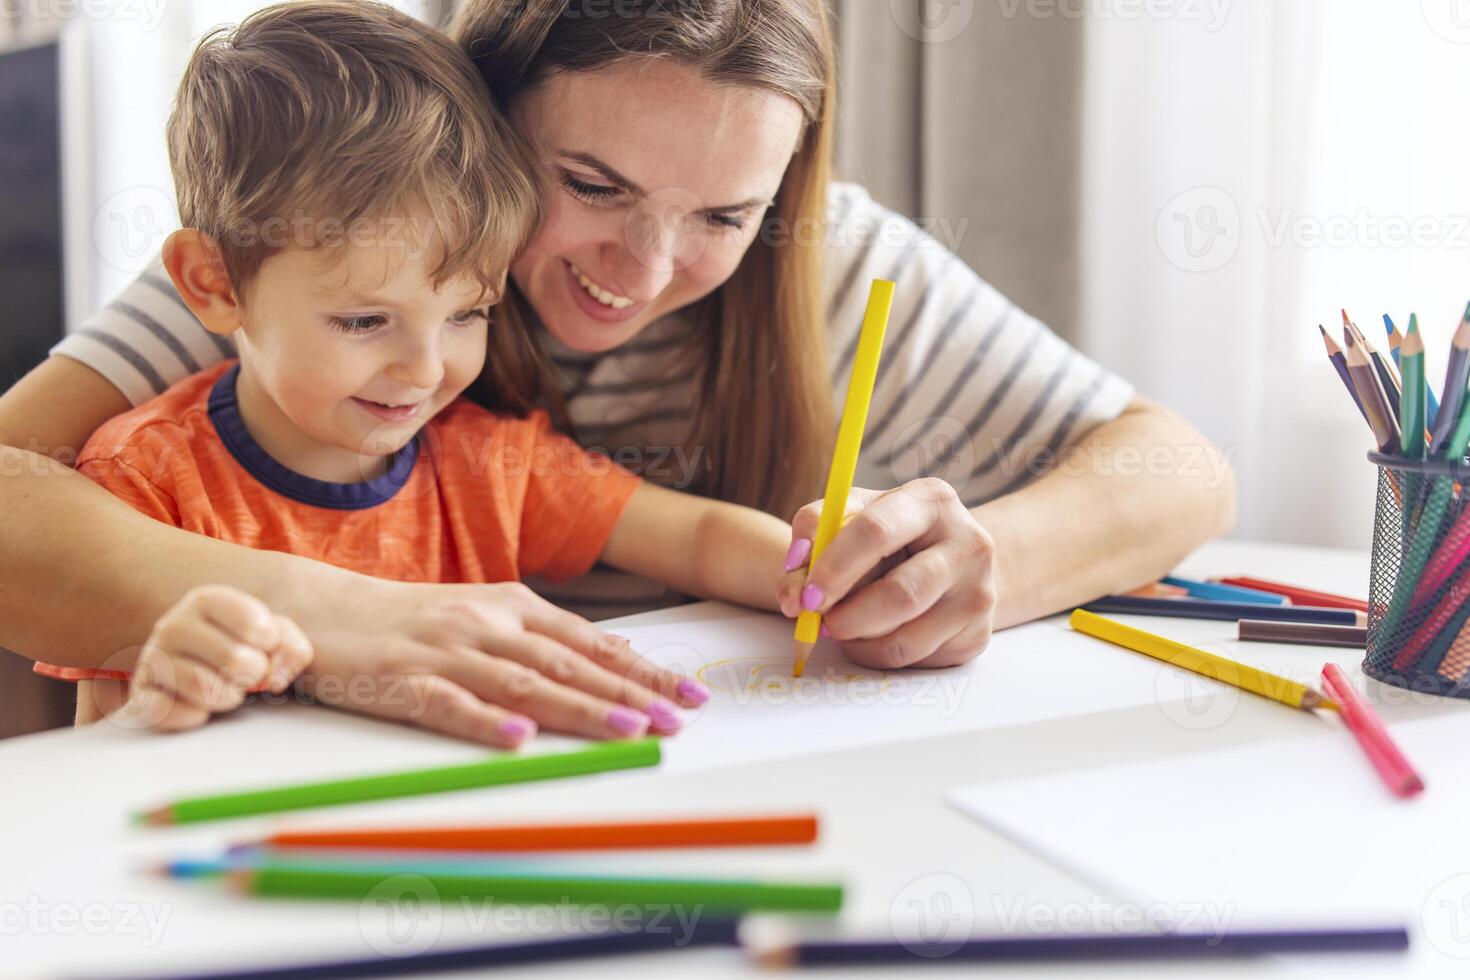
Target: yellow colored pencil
<point x="849" y="444"/>
<point x="1222" y="669"/>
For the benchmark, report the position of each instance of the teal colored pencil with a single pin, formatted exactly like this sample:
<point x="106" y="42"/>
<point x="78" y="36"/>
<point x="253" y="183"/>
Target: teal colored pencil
<point x="498" y="770"/>
<point x="1432" y="403"/>
<point x="285" y="879"/>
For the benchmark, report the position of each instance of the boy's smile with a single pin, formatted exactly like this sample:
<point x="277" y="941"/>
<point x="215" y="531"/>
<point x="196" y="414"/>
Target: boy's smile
<point x="391" y="413"/>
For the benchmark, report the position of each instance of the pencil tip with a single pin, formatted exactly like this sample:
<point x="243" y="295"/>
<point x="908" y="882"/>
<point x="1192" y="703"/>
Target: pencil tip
<point x="1467" y="312"/>
<point x="1322" y="329"/>
<point x="803" y="651"/>
<point x="1345" y="320"/>
<point x="1413" y="323"/>
<point x="1388" y="324"/>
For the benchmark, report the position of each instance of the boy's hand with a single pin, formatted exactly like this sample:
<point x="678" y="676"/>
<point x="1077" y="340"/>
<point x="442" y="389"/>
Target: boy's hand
<point x="206" y="653"/>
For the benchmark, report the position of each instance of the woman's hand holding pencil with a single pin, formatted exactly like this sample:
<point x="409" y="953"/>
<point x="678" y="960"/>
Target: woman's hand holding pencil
<point x="901" y="579"/>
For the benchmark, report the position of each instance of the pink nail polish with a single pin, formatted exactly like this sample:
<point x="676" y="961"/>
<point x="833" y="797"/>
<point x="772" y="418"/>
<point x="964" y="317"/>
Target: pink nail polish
<point x="517" y="729"/>
<point x="693" y="692"/>
<point x="811" y="598"/>
<point x="626" y="721"/>
<point x="801" y="548"/>
<point x="663" y="715"/>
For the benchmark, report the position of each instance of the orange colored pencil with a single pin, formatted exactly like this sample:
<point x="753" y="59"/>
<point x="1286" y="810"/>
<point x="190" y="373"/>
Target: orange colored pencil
<point x="1158" y="590"/>
<point x="1392" y="767"/>
<point x="733" y="832"/>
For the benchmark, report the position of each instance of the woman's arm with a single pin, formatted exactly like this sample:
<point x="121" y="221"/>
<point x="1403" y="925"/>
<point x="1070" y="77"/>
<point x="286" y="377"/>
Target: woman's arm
<point x="72" y="590"/>
<point x="1116" y="509"/>
<point x="83" y="578"/>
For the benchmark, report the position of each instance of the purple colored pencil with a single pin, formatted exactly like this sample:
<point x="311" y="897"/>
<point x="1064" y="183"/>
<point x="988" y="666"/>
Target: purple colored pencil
<point x="1453" y="395"/>
<point x="1109" y="946"/>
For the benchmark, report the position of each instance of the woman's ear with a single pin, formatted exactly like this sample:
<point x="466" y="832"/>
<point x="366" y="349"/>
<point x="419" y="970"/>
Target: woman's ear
<point x="197" y="268"/>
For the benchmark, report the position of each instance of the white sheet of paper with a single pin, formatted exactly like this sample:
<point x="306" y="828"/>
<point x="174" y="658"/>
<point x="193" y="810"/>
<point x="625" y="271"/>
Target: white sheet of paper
<point x="1273" y="833"/>
<point x="1032" y="673"/>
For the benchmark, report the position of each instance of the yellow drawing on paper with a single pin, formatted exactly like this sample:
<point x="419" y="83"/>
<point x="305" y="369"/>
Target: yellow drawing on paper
<point x="747" y="675"/>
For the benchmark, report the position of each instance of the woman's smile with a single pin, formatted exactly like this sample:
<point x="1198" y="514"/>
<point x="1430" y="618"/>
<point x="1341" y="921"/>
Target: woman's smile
<point x="601" y="304"/>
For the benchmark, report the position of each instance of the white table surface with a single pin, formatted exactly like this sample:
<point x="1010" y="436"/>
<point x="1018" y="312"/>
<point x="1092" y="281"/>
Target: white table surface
<point x="73" y="902"/>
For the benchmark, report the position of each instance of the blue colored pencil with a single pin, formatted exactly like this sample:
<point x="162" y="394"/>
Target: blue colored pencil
<point x="1224" y="593"/>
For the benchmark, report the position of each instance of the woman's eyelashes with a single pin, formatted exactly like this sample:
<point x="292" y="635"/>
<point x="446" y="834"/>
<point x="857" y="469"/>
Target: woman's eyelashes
<point x="605" y="194"/>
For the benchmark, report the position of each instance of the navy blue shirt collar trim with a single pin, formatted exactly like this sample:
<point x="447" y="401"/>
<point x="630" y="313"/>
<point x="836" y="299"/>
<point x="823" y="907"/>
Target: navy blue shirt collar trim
<point x="224" y="412"/>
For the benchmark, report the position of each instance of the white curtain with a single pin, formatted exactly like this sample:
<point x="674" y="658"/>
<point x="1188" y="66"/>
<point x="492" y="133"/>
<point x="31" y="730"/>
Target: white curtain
<point x="1250" y="168"/>
<point x="122" y="60"/>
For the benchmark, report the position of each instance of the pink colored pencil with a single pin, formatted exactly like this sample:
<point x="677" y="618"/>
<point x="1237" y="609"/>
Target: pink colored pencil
<point x="1450" y="554"/>
<point x="1439" y="617"/>
<point x="1394" y="769"/>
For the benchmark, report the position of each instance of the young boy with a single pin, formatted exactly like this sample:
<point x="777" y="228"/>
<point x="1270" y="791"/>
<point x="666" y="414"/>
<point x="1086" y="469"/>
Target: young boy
<point x="351" y="204"/>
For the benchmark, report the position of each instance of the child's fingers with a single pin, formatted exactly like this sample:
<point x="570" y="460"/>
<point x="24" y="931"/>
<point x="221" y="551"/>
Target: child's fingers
<point x="152" y="707"/>
<point x="238" y="664"/>
<point x="188" y="679"/>
<point x="291" y="656"/>
<point x="240" y="615"/>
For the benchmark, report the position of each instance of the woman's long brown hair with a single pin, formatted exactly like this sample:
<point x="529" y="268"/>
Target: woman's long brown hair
<point x="764" y="423"/>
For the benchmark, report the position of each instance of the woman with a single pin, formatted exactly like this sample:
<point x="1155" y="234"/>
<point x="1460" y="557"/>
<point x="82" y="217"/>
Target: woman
<point x="691" y="302"/>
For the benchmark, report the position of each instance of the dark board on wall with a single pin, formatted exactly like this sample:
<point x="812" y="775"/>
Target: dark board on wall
<point x="31" y="315"/>
<point x="30" y="300"/>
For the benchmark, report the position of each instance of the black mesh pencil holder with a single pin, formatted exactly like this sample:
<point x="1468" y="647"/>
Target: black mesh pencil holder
<point x="1419" y="591"/>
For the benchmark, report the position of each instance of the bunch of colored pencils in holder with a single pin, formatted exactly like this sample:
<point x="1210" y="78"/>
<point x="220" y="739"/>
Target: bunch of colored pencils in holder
<point x="1420" y="591"/>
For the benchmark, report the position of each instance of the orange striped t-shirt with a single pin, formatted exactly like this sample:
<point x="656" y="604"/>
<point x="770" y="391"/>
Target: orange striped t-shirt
<point x="475" y="497"/>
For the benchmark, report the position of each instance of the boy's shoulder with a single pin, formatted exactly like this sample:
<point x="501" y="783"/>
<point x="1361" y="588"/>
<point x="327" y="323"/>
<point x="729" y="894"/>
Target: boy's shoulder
<point x="178" y="417"/>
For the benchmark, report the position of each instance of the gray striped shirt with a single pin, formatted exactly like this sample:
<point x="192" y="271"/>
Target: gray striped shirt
<point x="971" y="389"/>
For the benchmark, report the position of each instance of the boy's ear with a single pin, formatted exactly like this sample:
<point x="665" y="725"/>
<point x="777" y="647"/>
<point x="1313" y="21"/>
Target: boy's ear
<point x="197" y="268"/>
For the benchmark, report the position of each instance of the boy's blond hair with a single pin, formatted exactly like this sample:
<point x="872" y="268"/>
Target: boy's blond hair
<point x="311" y="122"/>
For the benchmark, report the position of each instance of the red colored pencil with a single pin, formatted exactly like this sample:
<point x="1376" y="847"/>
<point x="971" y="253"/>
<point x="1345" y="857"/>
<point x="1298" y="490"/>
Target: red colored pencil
<point x="1395" y="770"/>
<point x="732" y="832"/>
<point x="1298" y="595"/>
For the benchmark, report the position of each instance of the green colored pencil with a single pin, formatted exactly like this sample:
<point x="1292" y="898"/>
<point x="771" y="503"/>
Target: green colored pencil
<point x="287" y="879"/>
<point x="498" y="770"/>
